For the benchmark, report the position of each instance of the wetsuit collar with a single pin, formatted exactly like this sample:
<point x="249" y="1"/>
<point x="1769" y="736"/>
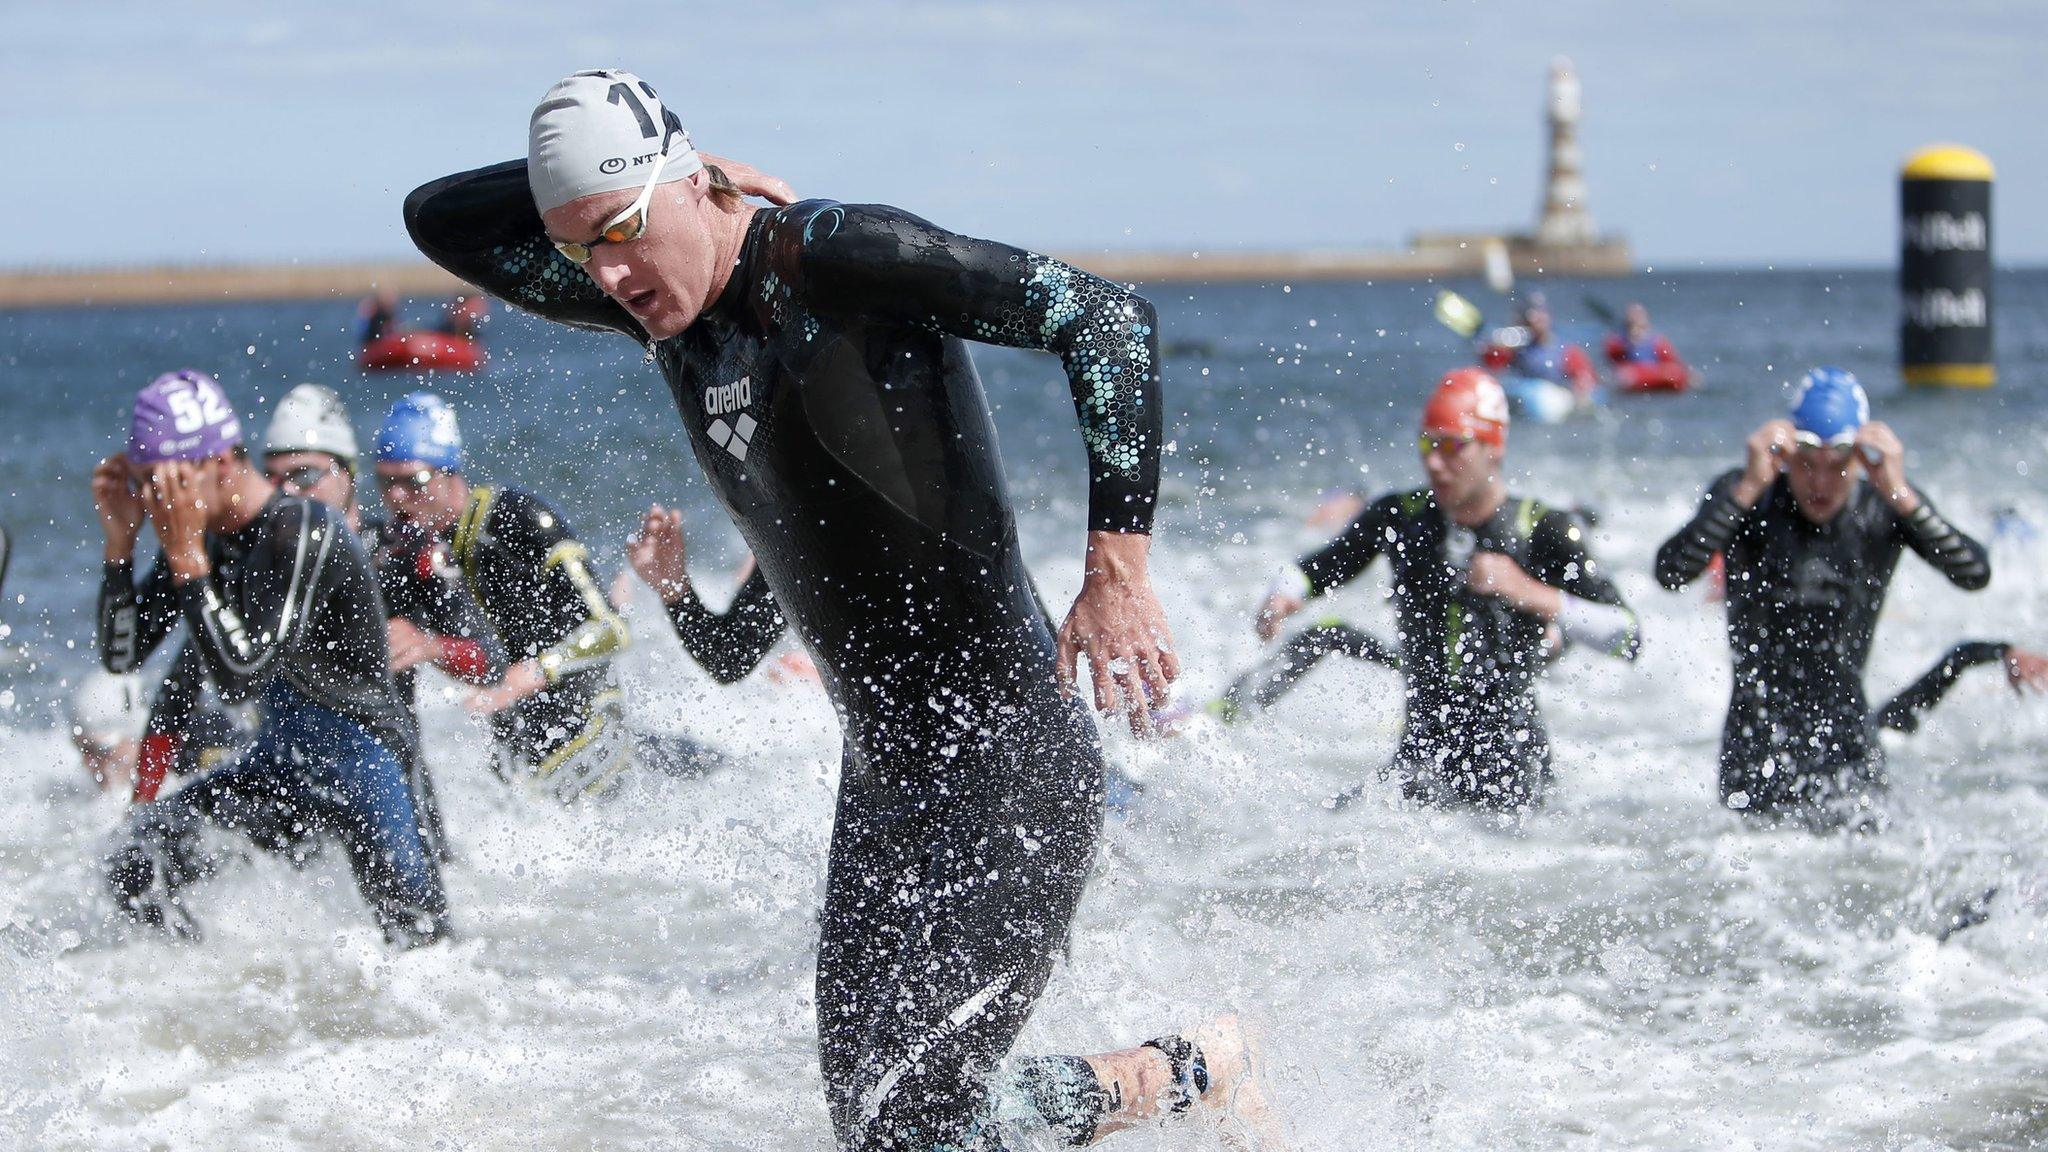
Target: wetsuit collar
<point x="731" y="300"/>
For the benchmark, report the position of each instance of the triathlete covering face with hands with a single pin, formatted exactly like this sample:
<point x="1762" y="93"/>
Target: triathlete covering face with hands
<point x="281" y="605"/>
<point x="1811" y="526"/>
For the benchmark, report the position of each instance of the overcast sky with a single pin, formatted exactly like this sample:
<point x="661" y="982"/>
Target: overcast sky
<point x="1727" y="132"/>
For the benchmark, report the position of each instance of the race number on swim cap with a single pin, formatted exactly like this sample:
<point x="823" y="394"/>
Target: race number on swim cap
<point x="601" y="131"/>
<point x="182" y="415"/>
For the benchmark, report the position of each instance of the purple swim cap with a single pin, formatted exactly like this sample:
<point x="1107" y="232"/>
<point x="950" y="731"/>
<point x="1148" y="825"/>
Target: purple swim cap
<point x="182" y="415"/>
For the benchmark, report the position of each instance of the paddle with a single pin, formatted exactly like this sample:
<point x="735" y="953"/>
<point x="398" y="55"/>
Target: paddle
<point x="1458" y="314"/>
<point x="1608" y="316"/>
<point x="5" y="548"/>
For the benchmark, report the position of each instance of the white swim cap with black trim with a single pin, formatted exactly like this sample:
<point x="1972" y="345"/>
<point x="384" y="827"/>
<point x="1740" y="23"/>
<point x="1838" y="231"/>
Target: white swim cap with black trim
<point x="311" y="418"/>
<point x="600" y="131"/>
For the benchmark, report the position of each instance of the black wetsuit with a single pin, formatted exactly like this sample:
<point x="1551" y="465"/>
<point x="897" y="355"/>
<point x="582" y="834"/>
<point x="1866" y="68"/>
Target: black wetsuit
<point x="1903" y="711"/>
<point x="415" y="590"/>
<point x="420" y="587"/>
<point x="1276" y="676"/>
<point x="731" y="643"/>
<point x="291" y="616"/>
<point x="830" y="399"/>
<point x="186" y="733"/>
<point x="529" y="573"/>
<point x="1472" y="732"/>
<point x="1803" y="601"/>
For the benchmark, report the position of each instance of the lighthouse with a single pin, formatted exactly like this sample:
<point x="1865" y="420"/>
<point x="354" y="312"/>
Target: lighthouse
<point x="1565" y="223"/>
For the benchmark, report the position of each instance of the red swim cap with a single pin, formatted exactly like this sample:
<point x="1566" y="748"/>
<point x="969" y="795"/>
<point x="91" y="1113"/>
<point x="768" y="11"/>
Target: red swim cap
<point x="1468" y="402"/>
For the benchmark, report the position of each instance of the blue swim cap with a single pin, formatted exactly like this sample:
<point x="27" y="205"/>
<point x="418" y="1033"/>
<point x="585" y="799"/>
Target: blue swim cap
<point x="421" y="429"/>
<point x="1830" y="406"/>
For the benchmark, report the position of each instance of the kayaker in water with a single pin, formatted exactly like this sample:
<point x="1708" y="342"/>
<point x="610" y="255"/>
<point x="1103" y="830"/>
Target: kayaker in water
<point x="1641" y="357"/>
<point x="1545" y="357"/>
<point x="1636" y="342"/>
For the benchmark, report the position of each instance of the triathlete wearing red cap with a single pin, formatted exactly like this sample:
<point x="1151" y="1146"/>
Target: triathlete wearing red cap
<point x="1479" y="575"/>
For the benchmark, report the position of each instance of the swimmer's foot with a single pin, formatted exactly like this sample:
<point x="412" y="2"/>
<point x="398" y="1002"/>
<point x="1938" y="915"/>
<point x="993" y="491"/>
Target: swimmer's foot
<point x="1219" y="1074"/>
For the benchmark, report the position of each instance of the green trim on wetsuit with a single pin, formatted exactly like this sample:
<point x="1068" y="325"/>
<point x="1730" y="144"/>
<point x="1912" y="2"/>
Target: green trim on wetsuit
<point x="1472" y="731"/>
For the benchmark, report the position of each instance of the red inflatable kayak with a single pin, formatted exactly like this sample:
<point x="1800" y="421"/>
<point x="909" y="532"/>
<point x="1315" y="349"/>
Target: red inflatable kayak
<point x="421" y="352"/>
<point x="1653" y="376"/>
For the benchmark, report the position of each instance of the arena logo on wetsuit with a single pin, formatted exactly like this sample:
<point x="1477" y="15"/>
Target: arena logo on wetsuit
<point x="724" y="399"/>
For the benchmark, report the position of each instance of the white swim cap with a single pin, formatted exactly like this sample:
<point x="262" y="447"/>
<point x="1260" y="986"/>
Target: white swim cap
<point x="600" y="131"/>
<point x="311" y="418"/>
<point x="108" y="708"/>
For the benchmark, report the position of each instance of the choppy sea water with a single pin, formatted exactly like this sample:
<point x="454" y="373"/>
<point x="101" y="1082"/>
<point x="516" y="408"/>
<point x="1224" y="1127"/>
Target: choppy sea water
<point x="1632" y="968"/>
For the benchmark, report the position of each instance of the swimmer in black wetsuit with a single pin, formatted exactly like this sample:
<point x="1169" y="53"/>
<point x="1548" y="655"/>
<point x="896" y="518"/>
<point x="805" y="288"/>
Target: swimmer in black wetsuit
<point x="1810" y="549"/>
<point x="557" y="713"/>
<point x="816" y="353"/>
<point x="280" y="603"/>
<point x="310" y="450"/>
<point x="1480" y="576"/>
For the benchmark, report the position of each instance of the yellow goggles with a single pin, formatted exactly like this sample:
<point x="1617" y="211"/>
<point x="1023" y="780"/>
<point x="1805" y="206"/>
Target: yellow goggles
<point x="1430" y="444"/>
<point x="623" y="228"/>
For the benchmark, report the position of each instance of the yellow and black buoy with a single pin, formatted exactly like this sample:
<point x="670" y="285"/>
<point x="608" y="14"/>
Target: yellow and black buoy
<point x="1945" y="268"/>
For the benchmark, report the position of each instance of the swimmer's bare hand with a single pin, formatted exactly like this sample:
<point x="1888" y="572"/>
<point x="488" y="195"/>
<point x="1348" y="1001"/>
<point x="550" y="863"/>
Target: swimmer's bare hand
<point x="1117" y="622"/>
<point x="521" y="680"/>
<point x="1766" y="451"/>
<point x="1277" y="608"/>
<point x="1493" y="574"/>
<point x="179" y="513"/>
<point x="751" y="180"/>
<point x="2025" y="669"/>
<point x="119" y="505"/>
<point x="1885" y="457"/>
<point x="657" y="554"/>
<point x="410" y="647"/>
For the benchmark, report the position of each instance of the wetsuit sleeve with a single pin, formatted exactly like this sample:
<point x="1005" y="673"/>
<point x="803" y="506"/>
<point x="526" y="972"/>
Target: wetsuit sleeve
<point x="524" y="522"/>
<point x="482" y="226"/>
<point x="470" y="648"/>
<point x="1902" y="712"/>
<point x="278" y="594"/>
<point x="729" y="644"/>
<point x="1593" y="612"/>
<point x="134" y="620"/>
<point x="602" y="636"/>
<point x="879" y="262"/>
<point x="417" y="592"/>
<point x="172" y="713"/>
<point x="1355" y="548"/>
<point x="1682" y="558"/>
<point x="1941" y="544"/>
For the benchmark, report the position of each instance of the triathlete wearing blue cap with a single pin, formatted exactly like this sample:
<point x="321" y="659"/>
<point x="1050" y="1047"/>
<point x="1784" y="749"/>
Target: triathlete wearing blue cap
<point x="1811" y="527"/>
<point x="558" y="712"/>
<point x="421" y="429"/>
